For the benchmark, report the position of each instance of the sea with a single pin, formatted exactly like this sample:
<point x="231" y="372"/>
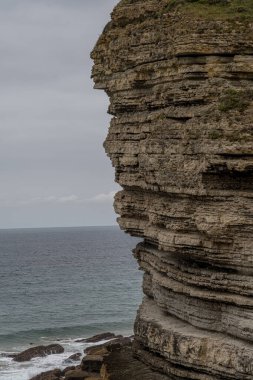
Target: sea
<point x="59" y="285"/>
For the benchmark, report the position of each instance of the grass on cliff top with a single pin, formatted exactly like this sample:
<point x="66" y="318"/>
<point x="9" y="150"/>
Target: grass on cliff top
<point x="224" y="9"/>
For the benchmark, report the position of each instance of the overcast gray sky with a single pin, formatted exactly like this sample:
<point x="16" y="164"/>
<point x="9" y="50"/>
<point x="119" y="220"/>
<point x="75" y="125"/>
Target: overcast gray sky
<point x="53" y="168"/>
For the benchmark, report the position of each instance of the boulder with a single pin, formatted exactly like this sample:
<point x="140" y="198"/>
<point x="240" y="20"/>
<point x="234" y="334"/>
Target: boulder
<point x="73" y="358"/>
<point x="55" y="374"/>
<point x="38" y="351"/>
<point x="96" y="350"/>
<point x="121" y="365"/>
<point x="92" y="363"/>
<point x="108" y="346"/>
<point x="97" y="338"/>
<point x="76" y="374"/>
<point x="69" y="368"/>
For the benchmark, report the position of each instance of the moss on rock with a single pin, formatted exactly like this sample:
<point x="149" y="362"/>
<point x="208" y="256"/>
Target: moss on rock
<point x="233" y="99"/>
<point x="239" y="9"/>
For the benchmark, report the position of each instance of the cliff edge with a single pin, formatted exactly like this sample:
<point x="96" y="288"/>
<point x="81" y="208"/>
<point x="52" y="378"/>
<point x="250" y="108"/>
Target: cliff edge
<point x="179" y="75"/>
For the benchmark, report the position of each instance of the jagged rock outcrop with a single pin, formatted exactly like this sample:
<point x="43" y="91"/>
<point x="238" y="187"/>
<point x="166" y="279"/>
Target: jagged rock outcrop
<point x="179" y="77"/>
<point x="38" y="351"/>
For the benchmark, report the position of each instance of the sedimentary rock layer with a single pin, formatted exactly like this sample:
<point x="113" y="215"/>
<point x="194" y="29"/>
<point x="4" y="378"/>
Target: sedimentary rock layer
<point x="180" y="80"/>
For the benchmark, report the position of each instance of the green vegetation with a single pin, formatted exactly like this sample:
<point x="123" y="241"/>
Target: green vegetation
<point x="240" y="136"/>
<point x="161" y="116"/>
<point x="224" y="9"/>
<point x="233" y="99"/>
<point x="215" y="134"/>
<point x="219" y="9"/>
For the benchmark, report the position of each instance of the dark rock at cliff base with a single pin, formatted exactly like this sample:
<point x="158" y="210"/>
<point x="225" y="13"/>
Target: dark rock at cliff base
<point x="55" y="374"/>
<point x="69" y="368"/>
<point x="77" y="374"/>
<point x="108" y="346"/>
<point x="73" y="358"/>
<point x="121" y="365"/>
<point x="98" y="337"/>
<point x="92" y="363"/>
<point x="38" y="351"/>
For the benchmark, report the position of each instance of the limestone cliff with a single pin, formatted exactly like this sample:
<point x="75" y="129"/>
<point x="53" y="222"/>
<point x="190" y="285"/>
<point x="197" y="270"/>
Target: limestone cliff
<point x="179" y="75"/>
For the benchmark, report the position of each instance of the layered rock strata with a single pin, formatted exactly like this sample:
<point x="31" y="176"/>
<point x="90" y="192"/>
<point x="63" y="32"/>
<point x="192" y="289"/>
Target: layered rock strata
<point x="179" y="78"/>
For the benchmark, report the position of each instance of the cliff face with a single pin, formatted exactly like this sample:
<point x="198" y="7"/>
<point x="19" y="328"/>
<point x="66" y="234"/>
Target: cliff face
<point x="180" y="84"/>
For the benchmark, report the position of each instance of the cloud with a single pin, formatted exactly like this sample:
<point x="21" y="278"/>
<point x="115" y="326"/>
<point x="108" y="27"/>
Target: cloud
<point x="68" y="198"/>
<point x="60" y="199"/>
<point x="47" y="199"/>
<point x="102" y="197"/>
<point x="53" y="123"/>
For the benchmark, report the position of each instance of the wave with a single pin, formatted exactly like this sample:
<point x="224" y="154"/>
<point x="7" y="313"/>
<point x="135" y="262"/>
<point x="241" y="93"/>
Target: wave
<point x="10" y="370"/>
<point x="34" y="336"/>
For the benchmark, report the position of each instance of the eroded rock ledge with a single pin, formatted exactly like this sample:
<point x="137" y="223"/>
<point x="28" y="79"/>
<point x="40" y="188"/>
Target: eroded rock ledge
<point x="180" y="80"/>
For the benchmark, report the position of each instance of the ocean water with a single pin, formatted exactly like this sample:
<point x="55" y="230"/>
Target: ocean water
<point x="61" y="284"/>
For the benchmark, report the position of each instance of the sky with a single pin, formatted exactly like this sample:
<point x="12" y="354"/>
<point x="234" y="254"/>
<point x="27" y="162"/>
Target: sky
<point x="53" y="168"/>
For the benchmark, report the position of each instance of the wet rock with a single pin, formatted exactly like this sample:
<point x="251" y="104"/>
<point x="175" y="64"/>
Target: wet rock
<point x="76" y="374"/>
<point x="96" y="350"/>
<point x="121" y="365"/>
<point x="108" y="346"/>
<point x="92" y="363"/>
<point x="69" y="368"/>
<point x="55" y="374"/>
<point x="97" y="338"/>
<point x="38" y="351"/>
<point x="73" y="358"/>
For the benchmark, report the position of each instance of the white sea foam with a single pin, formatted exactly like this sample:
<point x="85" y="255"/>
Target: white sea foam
<point x="11" y="370"/>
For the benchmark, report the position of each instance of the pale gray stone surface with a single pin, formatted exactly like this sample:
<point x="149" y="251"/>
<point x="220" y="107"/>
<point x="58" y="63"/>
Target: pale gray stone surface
<point x="181" y="142"/>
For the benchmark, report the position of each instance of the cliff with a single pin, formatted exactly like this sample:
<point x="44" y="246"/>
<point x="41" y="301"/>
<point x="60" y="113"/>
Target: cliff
<point x="179" y="77"/>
